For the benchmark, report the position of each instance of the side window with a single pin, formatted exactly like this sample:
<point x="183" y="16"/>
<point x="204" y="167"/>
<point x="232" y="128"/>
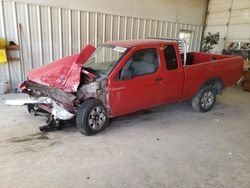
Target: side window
<point x="170" y="57"/>
<point x="141" y="62"/>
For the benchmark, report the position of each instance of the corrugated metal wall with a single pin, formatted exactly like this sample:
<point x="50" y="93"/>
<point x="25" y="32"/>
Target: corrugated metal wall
<point x="48" y="33"/>
<point x="231" y="18"/>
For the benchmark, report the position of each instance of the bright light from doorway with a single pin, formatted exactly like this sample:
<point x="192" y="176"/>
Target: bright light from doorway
<point x="186" y="35"/>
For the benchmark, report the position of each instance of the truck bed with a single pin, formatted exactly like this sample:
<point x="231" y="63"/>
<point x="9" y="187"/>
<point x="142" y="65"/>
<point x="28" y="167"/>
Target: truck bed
<point x="194" y="58"/>
<point x="201" y="67"/>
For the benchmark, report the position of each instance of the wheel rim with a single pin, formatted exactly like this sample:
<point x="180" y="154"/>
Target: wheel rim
<point x="207" y="100"/>
<point x="97" y="118"/>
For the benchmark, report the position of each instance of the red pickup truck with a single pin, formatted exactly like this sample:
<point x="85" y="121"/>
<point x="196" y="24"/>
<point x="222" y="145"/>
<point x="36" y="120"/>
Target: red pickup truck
<point x="121" y="77"/>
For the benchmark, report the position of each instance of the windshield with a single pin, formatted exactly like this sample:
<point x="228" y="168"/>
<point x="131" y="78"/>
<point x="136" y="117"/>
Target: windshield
<point x="103" y="60"/>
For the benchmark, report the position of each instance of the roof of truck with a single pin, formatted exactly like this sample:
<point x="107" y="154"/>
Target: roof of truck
<point x="140" y="42"/>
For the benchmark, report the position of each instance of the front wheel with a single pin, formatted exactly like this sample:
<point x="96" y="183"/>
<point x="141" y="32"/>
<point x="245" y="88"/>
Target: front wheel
<point x="91" y="117"/>
<point x="205" y="99"/>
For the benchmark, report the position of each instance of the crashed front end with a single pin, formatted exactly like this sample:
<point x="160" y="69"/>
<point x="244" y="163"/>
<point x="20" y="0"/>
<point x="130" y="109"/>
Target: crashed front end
<point x="60" y="105"/>
<point x="61" y="86"/>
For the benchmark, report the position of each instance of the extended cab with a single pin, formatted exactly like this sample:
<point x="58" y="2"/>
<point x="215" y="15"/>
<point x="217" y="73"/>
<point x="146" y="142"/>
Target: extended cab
<point x="121" y="77"/>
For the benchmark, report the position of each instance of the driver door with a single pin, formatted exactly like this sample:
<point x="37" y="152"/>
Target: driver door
<point x="141" y="91"/>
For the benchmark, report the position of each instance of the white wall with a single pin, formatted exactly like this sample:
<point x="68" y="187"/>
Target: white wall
<point x="182" y="11"/>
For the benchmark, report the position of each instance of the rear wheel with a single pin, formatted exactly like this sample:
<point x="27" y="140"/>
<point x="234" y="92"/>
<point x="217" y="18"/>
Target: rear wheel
<point x="91" y="117"/>
<point x="205" y="99"/>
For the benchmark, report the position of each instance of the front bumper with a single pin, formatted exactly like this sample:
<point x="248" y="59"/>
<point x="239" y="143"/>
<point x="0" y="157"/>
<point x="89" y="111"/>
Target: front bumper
<point x="45" y="103"/>
<point x="61" y="104"/>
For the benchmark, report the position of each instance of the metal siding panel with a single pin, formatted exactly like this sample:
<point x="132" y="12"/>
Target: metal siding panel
<point x="164" y="29"/>
<point x="177" y="30"/>
<point x="35" y="43"/>
<point x="92" y="25"/>
<point x="218" y="18"/>
<point x="134" y="28"/>
<point x="129" y="26"/>
<point x="4" y="68"/>
<point x="66" y="38"/>
<point x="75" y="32"/>
<point x="84" y="29"/>
<point x="241" y="4"/>
<point x="171" y="30"/>
<point x="158" y="28"/>
<point x="116" y="28"/>
<point x="24" y="40"/>
<point x="141" y="29"/>
<point x="168" y="29"/>
<point x="45" y="39"/>
<point x="56" y="33"/>
<point x="122" y="27"/>
<point x="155" y="28"/>
<point x="96" y="29"/>
<point x="138" y="28"/>
<point x="152" y="28"/>
<point x="241" y="16"/>
<point x="2" y="23"/>
<point x="147" y="27"/>
<point x="222" y="29"/>
<point x="60" y="31"/>
<point x="107" y="27"/>
<point x="99" y="29"/>
<point x="219" y="5"/>
<point x="239" y="33"/>
<point x="11" y="35"/>
<point x="50" y="34"/>
<point x="40" y="35"/>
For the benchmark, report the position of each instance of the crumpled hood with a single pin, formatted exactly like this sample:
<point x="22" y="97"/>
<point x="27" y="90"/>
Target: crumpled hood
<point x="64" y="73"/>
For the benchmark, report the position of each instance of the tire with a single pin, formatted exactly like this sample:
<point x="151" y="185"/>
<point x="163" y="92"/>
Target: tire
<point x="205" y="99"/>
<point x="91" y="117"/>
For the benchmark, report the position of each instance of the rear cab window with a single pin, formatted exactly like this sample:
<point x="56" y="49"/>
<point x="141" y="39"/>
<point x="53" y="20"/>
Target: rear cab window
<point x="170" y="57"/>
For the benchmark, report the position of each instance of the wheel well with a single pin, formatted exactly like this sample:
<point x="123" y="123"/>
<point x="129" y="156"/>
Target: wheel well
<point x="217" y="83"/>
<point x="82" y="100"/>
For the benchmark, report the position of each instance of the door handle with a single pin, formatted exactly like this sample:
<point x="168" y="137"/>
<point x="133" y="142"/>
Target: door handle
<point x="158" y="79"/>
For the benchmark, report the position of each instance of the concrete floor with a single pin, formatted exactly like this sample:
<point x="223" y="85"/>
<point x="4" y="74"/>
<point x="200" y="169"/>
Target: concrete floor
<point x="169" y="146"/>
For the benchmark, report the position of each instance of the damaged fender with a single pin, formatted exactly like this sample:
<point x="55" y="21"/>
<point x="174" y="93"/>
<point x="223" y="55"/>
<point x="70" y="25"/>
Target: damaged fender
<point x="97" y="90"/>
<point x="62" y="74"/>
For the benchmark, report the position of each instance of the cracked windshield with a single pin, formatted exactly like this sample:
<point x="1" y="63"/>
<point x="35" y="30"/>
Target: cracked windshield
<point x="103" y="60"/>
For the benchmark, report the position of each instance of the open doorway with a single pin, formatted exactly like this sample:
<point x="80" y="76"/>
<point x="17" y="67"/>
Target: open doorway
<point x="186" y="34"/>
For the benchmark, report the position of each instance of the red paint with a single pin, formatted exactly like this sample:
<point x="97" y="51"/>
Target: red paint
<point x="64" y="73"/>
<point x="161" y="87"/>
<point x="143" y="92"/>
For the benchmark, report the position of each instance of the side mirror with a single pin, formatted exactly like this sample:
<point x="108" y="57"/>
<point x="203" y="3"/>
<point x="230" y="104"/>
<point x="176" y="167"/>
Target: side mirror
<point x="126" y="74"/>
